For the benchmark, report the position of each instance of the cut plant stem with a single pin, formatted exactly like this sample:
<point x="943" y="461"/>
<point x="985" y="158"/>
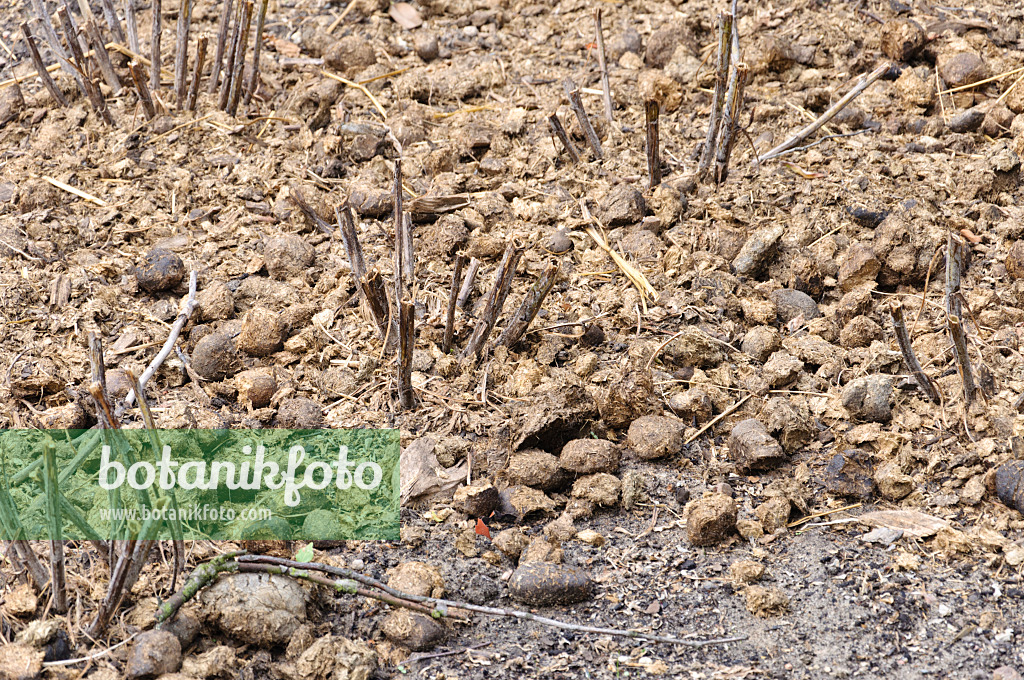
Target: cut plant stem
<point x="398" y="226"/>
<point x="110" y="14"/>
<point x="467" y="285"/>
<point x="725" y="21"/>
<point x="181" y="52"/>
<point x="197" y="74"/>
<point x="102" y="57"/>
<point x="132" y="23"/>
<point x="453" y="298"/>
<point x="238" y="71"/>
<point x="53" y="518"/>
<point x="350" y="239"/>
<point x="909" y="358"/>
<point x="730" y="121"/>
<point x="651" y="111"/>
<point x="222" y="39"/>
<point x="154" y="49"/>
<point x="495" y="301"/>
<point x="572" y="92"/>
<point x="307" y="210"/>
<point x="524" y="316"/>
<point x="229" y="58"/>
<point x="37" y="61"/>
<point x="50" y="34"/>
<point x="376" y="297"/>
<point x="956" y="251"/>
<point x="406" y="329"/>
<point x="254" y="77"/>
<point x="602" y="61"/>
<point x="145" y="98"/>
<point x="563" y="137"/>
<point x="799" y="137"/>
<point x="963" y="361"/>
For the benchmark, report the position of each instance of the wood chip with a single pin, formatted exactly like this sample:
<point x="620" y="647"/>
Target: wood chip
<point x="914" y="524"/>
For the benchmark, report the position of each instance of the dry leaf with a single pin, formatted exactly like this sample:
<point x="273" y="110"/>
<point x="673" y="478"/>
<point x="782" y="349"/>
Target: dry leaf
<point x="914" y="524"/>
<point x="422" y="475"/>
<point x="285" y="48"/>
<point x="405" y="15"/>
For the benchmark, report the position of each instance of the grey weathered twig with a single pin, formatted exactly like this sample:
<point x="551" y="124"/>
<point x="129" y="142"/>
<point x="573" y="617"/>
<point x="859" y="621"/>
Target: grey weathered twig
<point x="407" y="339"/>
<point x="572" y="92"/>
<point x="602" y="61"/>
<point x="453" y="297"/>
<point x="796" y="139"/>
<point x="172" y="337"/>
<point x="725" y="21"/>
<point x="376" y="298"/>
<point x="197" y="74"/>
<point x="132" y="23"/>
<point x="907" y="349"/>
<point x="222" y="39"/>
<point x="350" y="239"/>
<point x="956" y="252"/>
<point x="307" y="210"/>
<point x="154" y="48"/>
<point x="238" y="72"/>
<point x="53" y="517"/>
<point x="181" y="52"/>
<point x="524" y="316"/>
<point x="730" y="120"/>
<point x="50" y="34"/>
<point x="110" y="14"/>
<point x="495" y="300"/>
<point x="467" y="284"/>
<point x="563" y="137"/>
<point x="229" y="56"/>
<point x="37" y="61"/>
<point x="99" y="49"/>
<point x="651" y="111"/>
<point x="398" y="227"/>
<point x="254" y="77"/>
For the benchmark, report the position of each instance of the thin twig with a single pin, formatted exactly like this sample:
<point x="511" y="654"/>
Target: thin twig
<point x="350" y="239"/>
<point x="222" y="39"/>
<point x="238" y="72"/>
<point x="229" y="58"/>
<point x="725" y="21"/>
<point x="572" y="93"/>
<point x="110" y="14"/>
<point x="58" y="579"/>
<point x="307" y="210"/>
<point x="154" y="49"/>
<point x="495" y="300"/>
<point x="165" y="351"/>
<point x="181" y="52"/>
<point x="865" y="83"/>
<point x="197" y="73"/>
<point x="907" y="349"/>
<point x="145" y="98"/>
<point x="37" y="61"/>
<point x="524" y="316"/>
<point x="730" y="120"/>
<point x="406" y="332"/>
<point x="453" y="297"/>
<point x="602" y="61"/>
<point x="563" y="137"/>
<point x="651" y="111"/>
<point x="467" y="284"/>
<point x="376" y="297"/>
<point x="254" y="78"/>
<point x="132" y="24"/>
<point x="92" y="32"/>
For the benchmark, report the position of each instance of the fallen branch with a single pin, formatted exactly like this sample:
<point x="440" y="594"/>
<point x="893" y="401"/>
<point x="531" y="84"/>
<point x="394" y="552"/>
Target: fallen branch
<point x="796" y="139"/>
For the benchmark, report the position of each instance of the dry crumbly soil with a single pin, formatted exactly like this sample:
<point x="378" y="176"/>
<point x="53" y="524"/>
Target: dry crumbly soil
<point x="857" y="221"/>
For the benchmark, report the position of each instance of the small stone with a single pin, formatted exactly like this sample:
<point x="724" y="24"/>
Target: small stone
<point x="869" y="398"/>
<point x="744" y="572"/>
<point x="725" y="489"/>
<point x="162" y="270"/>
<point x="600" y="488"/>
<point x="587" y="456"/>
<point x="541" y="584"/>
<point x="118" y="385"/>
<point x="215" y="357"/>
<point x="711" y="519"/>
<point x="263" y="332"/>
<point x="892" y="483"/>
<point x="22" y="662"/>
<point x="774" y="514"/>
<point x="757" y="250"/>
<point x="300" y="413"/>
<point x="682" y="495"/>
<point x="859" y="266"/>
<point x="1006" y="673"/>
<point x="654" y="437"/>
<point x="1009" y="484"/>
<point x="760" y="342"/>
<point x="967" y="121"/>
<point x="766" y="602"/>
<point x="850" y="474"/>
<point x="426" y="46"/>
<point x="559" y="242"/>
<point x="417" y="578"/>
<point x="902" y="38"/>
<point x="962" y="68"/>
<point x="591" y="537"/>
<point x="479" y="500"/>
<point x="154" y="652"/>
<point x="793" y="303"/>
<point x="414" y="630"/>
<point x="287" y="256"/>
<point x="256" y="387"/>
<point x="753" y="449"/>
<point x="883" y="536"/>
<point x="624" y="205"/>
